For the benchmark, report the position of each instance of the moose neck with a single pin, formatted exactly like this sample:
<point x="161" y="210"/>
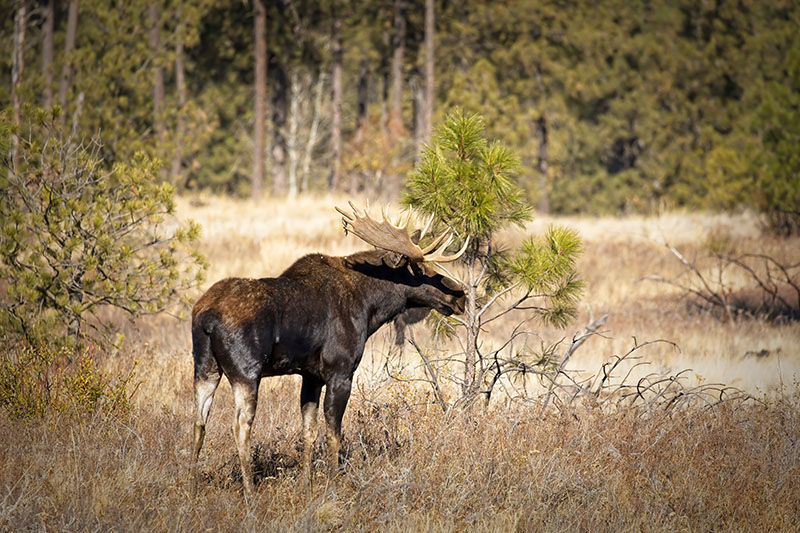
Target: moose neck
<point x="385" y="300"/>
<point x="384" y="290"/>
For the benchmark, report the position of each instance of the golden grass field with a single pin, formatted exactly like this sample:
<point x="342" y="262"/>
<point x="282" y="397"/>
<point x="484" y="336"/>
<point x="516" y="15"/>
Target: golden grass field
<point x="410" y="467"/>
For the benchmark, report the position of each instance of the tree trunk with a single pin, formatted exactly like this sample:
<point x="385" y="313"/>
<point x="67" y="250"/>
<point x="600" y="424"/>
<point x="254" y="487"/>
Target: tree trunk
<point x="260" y="29"/>
<point x="292" y="141"/>
<point x="158" y="74"/>
<point x="543" y="163"/>
<point x="66" y="67"/>
<point x="430" y="28"/>
<point x="48" y="10"/>
<point x="398" y="58"/>
<point x="418" y="92"/>
<point x="470" y="386"/>
<point x="362" y="106"/>
<point x="180" y="89"/>
<point x="386" y="82"/>
<point x="280" y="111"/>
<point x="17" y="72"/>
<point x="336" y="105"/>
<point x="312" y="131"/>
<point x="362" y="93"/>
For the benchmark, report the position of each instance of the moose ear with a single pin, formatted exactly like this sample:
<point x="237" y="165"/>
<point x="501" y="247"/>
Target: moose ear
<point x="394" y="260"/>
<point x="416" y="236"/>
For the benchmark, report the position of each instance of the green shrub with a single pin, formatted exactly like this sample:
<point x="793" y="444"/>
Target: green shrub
<point x="39" y="379"/>
<point x="78" y="233"/>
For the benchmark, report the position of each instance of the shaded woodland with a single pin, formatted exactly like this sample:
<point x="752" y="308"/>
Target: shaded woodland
<point x="612" y="106"/>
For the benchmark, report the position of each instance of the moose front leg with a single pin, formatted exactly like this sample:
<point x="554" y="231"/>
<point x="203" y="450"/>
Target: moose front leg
<point x="337" y="393"/>
<point x="309" y="402"/>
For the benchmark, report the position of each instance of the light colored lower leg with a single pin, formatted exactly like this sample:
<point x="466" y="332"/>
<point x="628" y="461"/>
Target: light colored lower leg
<point x="309" y="412"/>
<point x="242" y="429"/>
<point x="334" y="443"/>
<point x="242" y="425"/>
<point x="204" y="397"/>
<point x="198" y="438"/>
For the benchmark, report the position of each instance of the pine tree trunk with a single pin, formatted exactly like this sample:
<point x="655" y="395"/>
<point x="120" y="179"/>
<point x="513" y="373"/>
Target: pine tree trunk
<point x="398" y="59"/>
<point x="17" y="73"/>
<point x="362" y="106"/>
<point x="362" y="93"/>
<point x="260" y="31"/>
<point x="312" y="131"/>
<point x="469" y="385"/>
<point x="158" y="74"/>
<point x="66" y="67"/>
<point x="48" y="10"/>
<point x="543" y="163"/>
<point x="336" y="106"/>
<point x="292" y="141"/>
<point x="280" y="112"/>
<point x="417" y="87"/>
<point x="430" y="29"/>
<point x="180" y="90"/>
<point x="386" y="83"/>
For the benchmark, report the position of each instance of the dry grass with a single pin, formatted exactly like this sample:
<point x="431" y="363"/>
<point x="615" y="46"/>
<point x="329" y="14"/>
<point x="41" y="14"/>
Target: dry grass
<point x="734" y="467"/>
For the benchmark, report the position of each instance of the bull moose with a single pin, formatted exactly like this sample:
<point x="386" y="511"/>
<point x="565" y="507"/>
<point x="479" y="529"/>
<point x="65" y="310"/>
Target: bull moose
<point x="313" y="320"/>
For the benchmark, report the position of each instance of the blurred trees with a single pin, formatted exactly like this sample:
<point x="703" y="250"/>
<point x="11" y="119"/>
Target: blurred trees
<point x="613" y="106"/>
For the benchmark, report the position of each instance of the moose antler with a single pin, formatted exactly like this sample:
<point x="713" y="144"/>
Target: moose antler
<point x="395" y="237"/>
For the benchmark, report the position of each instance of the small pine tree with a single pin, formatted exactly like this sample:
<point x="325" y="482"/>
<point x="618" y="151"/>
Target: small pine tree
<point x="468" y="185"/>
<point x="78" y="234"/>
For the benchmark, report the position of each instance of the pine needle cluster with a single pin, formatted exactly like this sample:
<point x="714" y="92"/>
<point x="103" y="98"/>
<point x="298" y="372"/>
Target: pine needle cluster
<point x="467" y="182"/>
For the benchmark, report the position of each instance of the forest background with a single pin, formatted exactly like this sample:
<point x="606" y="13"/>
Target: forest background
<point x="612" y="106"/>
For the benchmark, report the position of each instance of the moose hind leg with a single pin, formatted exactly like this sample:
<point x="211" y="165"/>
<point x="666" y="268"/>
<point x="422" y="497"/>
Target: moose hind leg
<point x="204" y="388"/>
<point x="245" y="397"/>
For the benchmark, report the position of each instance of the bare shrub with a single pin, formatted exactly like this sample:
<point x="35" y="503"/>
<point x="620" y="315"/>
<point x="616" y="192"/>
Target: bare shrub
<point x="753" y="285"/>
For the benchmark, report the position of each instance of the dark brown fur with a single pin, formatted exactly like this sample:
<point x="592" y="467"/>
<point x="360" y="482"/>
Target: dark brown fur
<point x="312" y="320"/>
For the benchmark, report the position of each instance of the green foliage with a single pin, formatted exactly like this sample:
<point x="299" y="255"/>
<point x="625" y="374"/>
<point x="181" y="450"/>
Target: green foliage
<point x="78" y="234"/>
<point x="468" y="185"/>
<point x="777" y="122"/>
<point x="644" y="105"/>
<point x="546" y="267"/>
<point x="466" y="182"/>
<point x="41" y="379"/>
<point x="648" y="105"/>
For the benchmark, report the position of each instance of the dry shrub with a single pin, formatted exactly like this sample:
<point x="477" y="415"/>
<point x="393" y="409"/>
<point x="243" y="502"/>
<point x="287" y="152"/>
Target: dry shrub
<point x="593" y="469"/>
<point x="595" y="465"/>
<point x="411" y="467"/>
